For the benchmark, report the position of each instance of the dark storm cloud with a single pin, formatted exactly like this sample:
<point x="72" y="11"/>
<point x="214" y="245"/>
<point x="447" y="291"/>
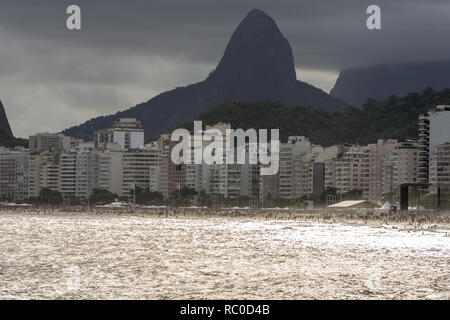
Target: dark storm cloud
<point x="129" y="51"/>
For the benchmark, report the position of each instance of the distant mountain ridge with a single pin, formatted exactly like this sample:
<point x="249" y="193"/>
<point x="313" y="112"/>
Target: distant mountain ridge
<point x="257" y="64"/>
<point x="355" y="85"/>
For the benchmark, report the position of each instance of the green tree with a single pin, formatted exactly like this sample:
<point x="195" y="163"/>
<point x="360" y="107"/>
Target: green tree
<point x="102" y="196"/>
<point x="182" y="197"/>
<point x="204" y="199"/>
<point x="48" y="196"/>
<point x="355" y="194"/>
<point x="149" y="198"/>
<point x="395" y="118"/>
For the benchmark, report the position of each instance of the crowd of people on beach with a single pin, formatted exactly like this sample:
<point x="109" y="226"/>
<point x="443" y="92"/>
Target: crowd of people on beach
<point x="412" y="218"/>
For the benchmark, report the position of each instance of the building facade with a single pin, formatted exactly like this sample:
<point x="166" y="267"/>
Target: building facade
<point x="49" y="141"/>
<point x="433" y="131"/>
<point x="127" y="132"/>
<point x="16" y="175"/>
<point x="440" y="169"/>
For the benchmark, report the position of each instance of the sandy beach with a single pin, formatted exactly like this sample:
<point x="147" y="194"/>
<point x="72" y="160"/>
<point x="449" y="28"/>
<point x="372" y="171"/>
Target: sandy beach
<point x="412" y="220"/>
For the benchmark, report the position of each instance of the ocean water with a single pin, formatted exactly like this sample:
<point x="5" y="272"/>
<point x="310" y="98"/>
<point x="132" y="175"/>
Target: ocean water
<point x="129" y="257"/>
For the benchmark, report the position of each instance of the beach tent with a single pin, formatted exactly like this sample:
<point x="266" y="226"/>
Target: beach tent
<point x="154" y="207"/>
<point x="387" y="205"/>
<point x="12" y="204"/>
<point x="354" y="204"/>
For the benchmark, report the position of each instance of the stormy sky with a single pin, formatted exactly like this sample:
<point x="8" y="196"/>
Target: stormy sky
<point x="129" y="51"/>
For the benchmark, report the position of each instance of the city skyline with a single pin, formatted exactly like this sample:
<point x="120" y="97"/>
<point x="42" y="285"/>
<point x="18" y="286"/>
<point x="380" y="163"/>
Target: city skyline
<point x="117" y="160"/>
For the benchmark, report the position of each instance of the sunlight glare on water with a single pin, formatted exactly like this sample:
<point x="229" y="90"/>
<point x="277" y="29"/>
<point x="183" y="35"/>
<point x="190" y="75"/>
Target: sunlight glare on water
<point x="128" y="257"/>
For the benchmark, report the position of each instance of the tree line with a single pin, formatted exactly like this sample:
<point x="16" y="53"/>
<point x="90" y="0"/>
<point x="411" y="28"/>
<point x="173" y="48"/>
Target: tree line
<point x="393" y="118"/>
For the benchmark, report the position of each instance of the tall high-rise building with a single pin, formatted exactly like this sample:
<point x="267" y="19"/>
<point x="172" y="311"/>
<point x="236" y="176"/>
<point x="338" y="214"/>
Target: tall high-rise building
<point x="352" y="170"/>
<point x="49" y="171"/>
<point x="440" y="169"/>
<point x="376" y="153"/>
<point x="434" y="130"/>
<point x="16" y="174"/>
<point x="400" y="166"/>
<point x="136" y="168"/>
<point x="405" y="164"/>
<point x="268" y="188"/>
<point x="312" y="171"/>
<point x="78" y="171"/>
<point x="290" y="159"/>
<point x="387" y="179"/>
<point x="109" y="175"/>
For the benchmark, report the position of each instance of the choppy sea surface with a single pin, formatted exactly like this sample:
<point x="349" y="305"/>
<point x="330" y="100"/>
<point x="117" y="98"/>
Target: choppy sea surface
<point x="129" y="257"/>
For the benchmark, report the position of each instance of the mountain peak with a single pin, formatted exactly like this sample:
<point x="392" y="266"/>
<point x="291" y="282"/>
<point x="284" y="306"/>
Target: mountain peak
<point x="258" y="15"/>
<point x="257" y="65"/>
<point x="4" y="124"/>
<point x="257" y="51"/>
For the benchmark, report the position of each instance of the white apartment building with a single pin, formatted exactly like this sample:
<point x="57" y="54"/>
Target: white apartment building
<point x="163" y="174"/>
<point x="434" y="130"/>
<point x="17" y="174"/>
<point x="34" y="182"/>
<point x="49" y="171"/>
<point x="400" y="166"/>
<point x="78" y="171"/>
<point x="136" y="168"/>
<point x="290" y="162"/>
<point x="405" y="164"/>
<point x="387" y="180"/>
<point x="194" y="172"/>
<point x="127" y="132"/>
<point x="110" y="174"/>
<point x="352" y="171"/>
<point x="440" y="169"/>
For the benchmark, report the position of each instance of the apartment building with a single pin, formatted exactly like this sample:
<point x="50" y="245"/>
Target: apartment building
<point x="49" y="141"/>
<point x="163" y="171"/>
<point x="34" y="174"/>
<point x="110" y="170"/>
<point x="49" y="171"/>
<point x="136" y="168"/>
<point x="79" y="171"/>
<point x="376" y="154"/>
<point x="440" y="169"/>
<point x="313" y="168"/>
<point x="400" y="166"/>
<point x="434" y="130"/>
<point x="290" y="162"/>
<point x="127" y="132"/>
<point x="269" y="187"/>
<point x="387" y="179"/>
<point x="16" y="174"/>
<point x="352" y="171"/>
